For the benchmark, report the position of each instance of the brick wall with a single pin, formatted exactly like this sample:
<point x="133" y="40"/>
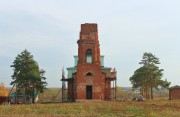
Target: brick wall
<point x="174" y="93"/>
<point x="89" y="40"/>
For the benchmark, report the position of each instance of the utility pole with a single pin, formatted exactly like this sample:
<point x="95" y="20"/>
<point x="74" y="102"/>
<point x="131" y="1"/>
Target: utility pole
<point x="63" y="85"/>
<point x="17" y="86"/>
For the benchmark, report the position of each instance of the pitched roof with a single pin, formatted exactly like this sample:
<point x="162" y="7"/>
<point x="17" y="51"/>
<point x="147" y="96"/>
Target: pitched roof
<point x="175" y="87"/>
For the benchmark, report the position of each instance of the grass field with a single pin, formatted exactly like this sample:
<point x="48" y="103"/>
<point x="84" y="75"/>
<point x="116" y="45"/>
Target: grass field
<point x="156" y="108"/>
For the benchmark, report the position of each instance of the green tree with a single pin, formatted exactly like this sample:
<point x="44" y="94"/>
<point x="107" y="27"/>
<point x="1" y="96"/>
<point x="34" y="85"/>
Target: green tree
<point x="148" y="76"/>
<point x="27" y="75"/>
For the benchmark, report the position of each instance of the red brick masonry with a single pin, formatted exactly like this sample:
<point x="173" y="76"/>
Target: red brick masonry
<point x="89" y="82"/>
<point x="174" y="92"/>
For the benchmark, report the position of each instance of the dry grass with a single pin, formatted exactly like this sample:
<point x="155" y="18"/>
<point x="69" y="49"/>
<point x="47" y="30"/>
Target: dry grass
<point x="157" y="108"/>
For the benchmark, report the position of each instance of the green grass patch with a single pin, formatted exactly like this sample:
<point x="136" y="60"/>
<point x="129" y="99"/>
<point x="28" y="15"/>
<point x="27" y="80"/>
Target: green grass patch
<point x="157" y="108"/>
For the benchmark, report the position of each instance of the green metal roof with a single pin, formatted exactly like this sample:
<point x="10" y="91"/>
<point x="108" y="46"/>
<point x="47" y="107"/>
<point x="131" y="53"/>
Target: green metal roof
<point x="22" y="95"/>
<point x="72" y="70"/>
<point x="76" y="60"/>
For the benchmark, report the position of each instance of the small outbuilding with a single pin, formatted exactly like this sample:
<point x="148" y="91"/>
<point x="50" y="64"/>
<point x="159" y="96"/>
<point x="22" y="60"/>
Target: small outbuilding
<point x="174" y="92"/>
<point x="23" y="99"/>
<point x="3" y="99"/>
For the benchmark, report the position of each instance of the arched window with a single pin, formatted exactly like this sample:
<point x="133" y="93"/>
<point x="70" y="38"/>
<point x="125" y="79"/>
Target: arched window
<point x="89" y="74"/>
<point x="89" y="56"/>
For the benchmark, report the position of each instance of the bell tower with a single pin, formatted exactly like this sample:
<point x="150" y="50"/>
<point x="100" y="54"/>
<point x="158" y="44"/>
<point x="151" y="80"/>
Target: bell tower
<point x="88" y="45"/>
<point x="89" y="78"/>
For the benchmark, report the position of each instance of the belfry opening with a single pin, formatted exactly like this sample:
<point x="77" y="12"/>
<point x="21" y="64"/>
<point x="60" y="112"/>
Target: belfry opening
<point x="89" y="78"/>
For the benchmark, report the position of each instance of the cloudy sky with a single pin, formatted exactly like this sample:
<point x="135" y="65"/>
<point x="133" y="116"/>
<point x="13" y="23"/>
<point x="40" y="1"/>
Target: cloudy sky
<point x="49" y="29"/>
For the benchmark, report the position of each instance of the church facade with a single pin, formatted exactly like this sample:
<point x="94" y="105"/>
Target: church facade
<point x="89" y="78"/>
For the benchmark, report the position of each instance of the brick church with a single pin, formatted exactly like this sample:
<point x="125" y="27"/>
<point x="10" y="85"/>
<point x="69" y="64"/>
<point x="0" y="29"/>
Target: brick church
<point x="89" y="78"/>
